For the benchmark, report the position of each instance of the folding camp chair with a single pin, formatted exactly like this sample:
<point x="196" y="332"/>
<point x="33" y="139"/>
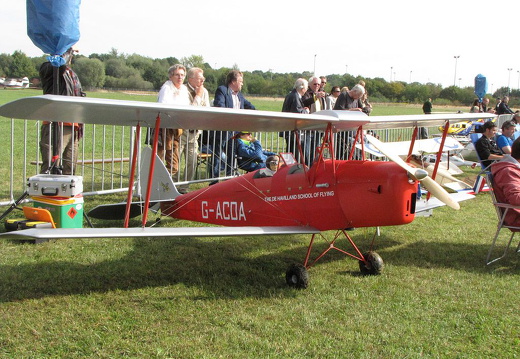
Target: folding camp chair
<point x="474" y="137"/>
<point x="501" y="210"/>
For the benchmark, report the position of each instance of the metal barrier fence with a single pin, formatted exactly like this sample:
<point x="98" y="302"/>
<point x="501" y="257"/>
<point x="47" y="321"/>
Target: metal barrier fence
<point x="105" y="151"/>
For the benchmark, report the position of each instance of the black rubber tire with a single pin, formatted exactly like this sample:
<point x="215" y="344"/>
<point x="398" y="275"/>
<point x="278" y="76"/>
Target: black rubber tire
<point x="297" y="276"/>
<point x="374" y="264"/>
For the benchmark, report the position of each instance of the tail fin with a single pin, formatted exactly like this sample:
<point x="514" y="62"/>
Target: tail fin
<point x="162" y="188"/>
<point x="480" y="184"/>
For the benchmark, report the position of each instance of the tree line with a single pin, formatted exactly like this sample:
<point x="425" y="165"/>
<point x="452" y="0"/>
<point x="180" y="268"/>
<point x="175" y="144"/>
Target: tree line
<point x="121" y="71"/>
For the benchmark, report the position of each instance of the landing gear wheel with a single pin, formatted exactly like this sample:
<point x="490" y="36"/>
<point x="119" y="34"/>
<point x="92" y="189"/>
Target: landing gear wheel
<point x="374" y="264"/>
<point x="297" y="276"/>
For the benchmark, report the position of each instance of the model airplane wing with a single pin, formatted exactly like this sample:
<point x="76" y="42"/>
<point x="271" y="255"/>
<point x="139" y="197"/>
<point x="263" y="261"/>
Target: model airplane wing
<point x="130" y="113"/>
<point x="398" y="121"/>
<point x="423" y="205"/>
<point x="60" y="233"/>
<point x="430" y="145"/>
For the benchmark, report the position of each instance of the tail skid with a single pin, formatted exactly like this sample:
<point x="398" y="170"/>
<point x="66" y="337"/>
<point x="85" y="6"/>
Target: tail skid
<point x="162" y="188"/>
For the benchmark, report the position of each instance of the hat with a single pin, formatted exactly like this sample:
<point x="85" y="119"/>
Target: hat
<point x="241" y="133"/>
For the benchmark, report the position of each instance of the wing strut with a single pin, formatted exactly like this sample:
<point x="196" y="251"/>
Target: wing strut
<point x="152" y="167"/>
<point x="327" y="146"/>
<point x="412" y="143"/>
<point x="353" y="149"/>
<point x="132" y="175"/>
<point x="439" y="154"/>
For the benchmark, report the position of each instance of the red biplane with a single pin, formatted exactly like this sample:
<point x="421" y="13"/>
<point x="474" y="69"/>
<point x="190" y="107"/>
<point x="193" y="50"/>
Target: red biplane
<point x="331" y="194"/>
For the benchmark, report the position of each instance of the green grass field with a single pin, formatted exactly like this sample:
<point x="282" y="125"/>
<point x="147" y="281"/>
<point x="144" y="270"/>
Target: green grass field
<point x="227" y="297"/>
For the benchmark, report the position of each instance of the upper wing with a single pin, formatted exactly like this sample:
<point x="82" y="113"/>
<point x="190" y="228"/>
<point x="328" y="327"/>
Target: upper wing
<point x="58" y="233"/>
<point x="130" y="113"/>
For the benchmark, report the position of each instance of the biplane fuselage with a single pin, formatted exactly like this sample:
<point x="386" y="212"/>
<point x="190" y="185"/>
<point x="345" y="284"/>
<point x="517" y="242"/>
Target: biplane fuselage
<point x="353" y="194"/>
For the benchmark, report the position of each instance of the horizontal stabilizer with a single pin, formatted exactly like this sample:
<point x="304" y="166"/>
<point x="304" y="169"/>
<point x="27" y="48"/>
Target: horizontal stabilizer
<point x="117" y="211"/>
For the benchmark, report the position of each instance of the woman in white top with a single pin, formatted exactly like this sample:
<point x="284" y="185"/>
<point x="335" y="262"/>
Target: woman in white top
<point x="330" y="100"/>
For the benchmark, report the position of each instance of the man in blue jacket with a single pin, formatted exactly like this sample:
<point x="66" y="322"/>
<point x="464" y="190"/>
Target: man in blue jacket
<point x="229" y="96"/>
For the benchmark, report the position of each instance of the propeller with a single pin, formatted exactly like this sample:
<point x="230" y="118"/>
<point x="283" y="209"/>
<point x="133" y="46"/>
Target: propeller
<point x="416" y="173"/>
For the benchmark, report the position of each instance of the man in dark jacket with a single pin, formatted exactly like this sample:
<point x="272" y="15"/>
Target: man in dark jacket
<point x="503" y="107"/>
<point x="293" y="103"/>
<point x="427" y="107"/>
<point x="486" y="147"/>
<point x="66" y="138"/>
<point x="229" y="96"/>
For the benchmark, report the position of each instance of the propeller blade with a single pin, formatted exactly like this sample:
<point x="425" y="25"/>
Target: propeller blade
<point x="418" y="173"/>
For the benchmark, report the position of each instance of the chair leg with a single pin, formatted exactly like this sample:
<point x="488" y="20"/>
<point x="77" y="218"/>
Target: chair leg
<point x="493" y="247"/>
<point x="505" y="250"/>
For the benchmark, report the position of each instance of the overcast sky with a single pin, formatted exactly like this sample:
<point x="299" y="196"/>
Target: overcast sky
<point x="399" y="40"/>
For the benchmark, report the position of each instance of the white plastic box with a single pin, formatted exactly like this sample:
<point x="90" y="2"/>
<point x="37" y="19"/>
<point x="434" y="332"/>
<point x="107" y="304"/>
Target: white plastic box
<point x="55" y="185"/>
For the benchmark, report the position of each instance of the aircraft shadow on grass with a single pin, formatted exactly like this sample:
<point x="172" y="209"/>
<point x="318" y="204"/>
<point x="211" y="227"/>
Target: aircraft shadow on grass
<point x="223" y="268"/>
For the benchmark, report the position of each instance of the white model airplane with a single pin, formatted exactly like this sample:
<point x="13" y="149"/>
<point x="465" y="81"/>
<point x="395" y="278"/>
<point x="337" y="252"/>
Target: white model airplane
<point x="430" y="145"/>
<point x="15" y="83"/>
<point x="330" y="195"/>
<point x="444" y="171"/>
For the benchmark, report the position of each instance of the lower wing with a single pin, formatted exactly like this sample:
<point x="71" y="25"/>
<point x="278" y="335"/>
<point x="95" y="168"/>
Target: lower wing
<point x="60" y="233"/>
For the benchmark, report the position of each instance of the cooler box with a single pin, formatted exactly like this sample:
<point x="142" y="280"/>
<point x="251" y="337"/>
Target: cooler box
<point x="66" y="212"/>
<point x="55" y="185"/>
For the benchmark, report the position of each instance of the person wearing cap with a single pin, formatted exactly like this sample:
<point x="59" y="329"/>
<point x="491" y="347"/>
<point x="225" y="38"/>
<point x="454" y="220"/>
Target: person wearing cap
<point x="69" y="134"/>
<point x="251" y="155"/>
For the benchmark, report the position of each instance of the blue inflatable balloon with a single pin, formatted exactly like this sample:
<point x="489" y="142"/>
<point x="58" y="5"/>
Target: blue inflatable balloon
<point x="53" y="25"/>
<point x="480" y="87"/>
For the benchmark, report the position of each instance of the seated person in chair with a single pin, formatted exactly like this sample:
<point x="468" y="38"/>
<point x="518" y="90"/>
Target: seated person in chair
<point x="486" y="147"/>
<point x="506" y="183"/>
<point x="505" y="140"/>
<point x="251" y="155"/>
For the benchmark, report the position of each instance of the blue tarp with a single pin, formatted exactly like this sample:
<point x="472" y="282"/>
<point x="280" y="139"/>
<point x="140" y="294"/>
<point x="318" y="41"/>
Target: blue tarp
<point x="53" y="25"/>
<point x="480" y="86"/>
